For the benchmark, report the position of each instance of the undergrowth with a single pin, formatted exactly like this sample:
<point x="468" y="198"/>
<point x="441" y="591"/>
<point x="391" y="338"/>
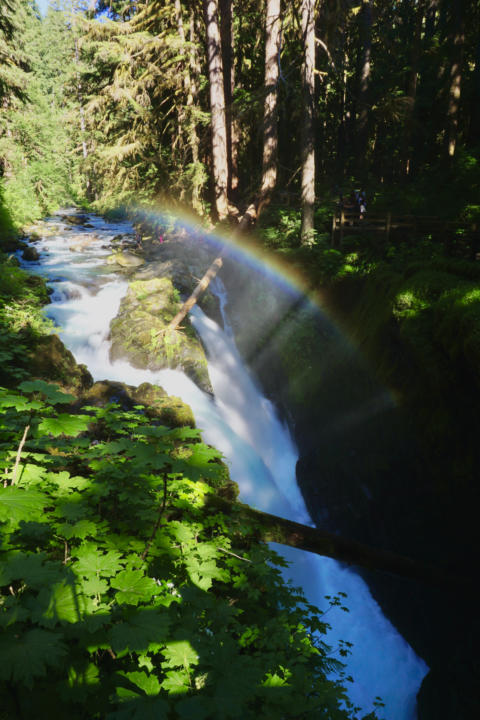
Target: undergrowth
<point x="123" y="596"/>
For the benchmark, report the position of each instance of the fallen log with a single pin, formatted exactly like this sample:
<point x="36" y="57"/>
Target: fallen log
<point x="249" y="217"/>
<point x="200" y="288"/>
<point x="271" y="528"/>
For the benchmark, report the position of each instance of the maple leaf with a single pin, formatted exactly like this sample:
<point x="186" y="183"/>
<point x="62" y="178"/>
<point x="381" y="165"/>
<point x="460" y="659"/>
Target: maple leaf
<point x="64" y="424"/>
<point x="20" y="504"/>
<point x="133" y="587"/>
<point x="27" y="656"/>
<point x="31" y="568"/>
<point x="148" y="683"/>
<point x="194" y="708"/>
<point x="91" y="561"/>
<point x="51" y="392"/>
<point x="176" y="682"/>
<point x="179" y="654"/>
<point x="140" y="631"/>
<point x="63" y="602"/>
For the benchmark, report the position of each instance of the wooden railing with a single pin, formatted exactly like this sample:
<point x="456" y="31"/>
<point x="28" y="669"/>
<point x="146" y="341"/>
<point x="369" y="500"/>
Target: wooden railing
<point x="349" y="221"/>
<point x="346" y="222"/>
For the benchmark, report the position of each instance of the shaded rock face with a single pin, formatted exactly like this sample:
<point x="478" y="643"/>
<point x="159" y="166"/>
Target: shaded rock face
<point x="138" y="332"/>
<point x="49" y="359"/>
<point x="168" y="410"/>
<point x="366" y="474"/>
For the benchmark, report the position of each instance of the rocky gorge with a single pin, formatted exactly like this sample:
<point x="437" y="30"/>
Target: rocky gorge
<point x="361" y="466"/>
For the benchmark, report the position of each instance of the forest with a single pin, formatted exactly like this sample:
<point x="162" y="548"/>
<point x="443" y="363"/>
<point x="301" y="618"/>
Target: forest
<point x="338" y="141"/>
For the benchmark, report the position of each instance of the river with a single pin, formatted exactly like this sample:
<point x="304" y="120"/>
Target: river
<point x="245" y="427"/>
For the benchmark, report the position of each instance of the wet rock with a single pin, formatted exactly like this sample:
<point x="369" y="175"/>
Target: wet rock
<point x="125" y="259"/>
<point x="139" y="332"/>
<point x="30" y="254"/>
<point x="75" y="219"/>
<point x="80" y="244"/>
<point x="50" y="360"/>
<point x="168" y="410"/>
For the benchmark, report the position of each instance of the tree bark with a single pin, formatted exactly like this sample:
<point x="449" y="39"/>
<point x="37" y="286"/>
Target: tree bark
<point x="190" y="70"/>
<point x="200" y="288"/>
<point x="217" y="105"/>
<point x="412" y="82"/>
<point x="364" y="83"/>
<point x="271" y="528"/>
<point x="229" y="87"/>
<point x="273" y="41"/>
<point x="308" y="139"/>
<point x="455" y="76"/>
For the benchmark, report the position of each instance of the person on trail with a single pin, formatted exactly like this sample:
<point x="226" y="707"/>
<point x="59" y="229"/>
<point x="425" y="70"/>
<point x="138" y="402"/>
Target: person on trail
<point x="362" y="204"/>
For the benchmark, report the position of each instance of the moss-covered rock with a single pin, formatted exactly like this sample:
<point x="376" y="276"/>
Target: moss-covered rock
<point x="125" y="259"/>
<point x="49" y="359"/>
<point x="139" y="332"/>
<point x="168" y="410"/>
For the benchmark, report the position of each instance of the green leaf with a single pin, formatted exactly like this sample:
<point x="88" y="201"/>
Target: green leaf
<point x="51" y="392"/>
<point x="20" y="403"/>
<point x="148" y="683"/>
<point x="64" y="424"/>
<point x="27" y="656"/>
<point x="141" y="630"/>
<point x="177" y="682"/>
<point x="91" y="561"/>
<point x="20" y="504"/>
<point x="133" y="587"/>
<point x="194" y="708"/>
<point x="63" y="602"/>
<point x="141" y="708"/>
<point x="179" y="654"/>
<point x="81" y="529"/>
<point x="94" y="586"/>
<point x="30" y="568"/>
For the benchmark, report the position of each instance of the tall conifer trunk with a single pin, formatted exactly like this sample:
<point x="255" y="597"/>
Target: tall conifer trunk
<point x="364" y="83"/>
<point x="190" y="91"/>
<point x="308" y="144"/>
<point x="455" y="87"/>
<point x="217" y="105"/>
<point x="270" y="115"/>
<point x="229" y="87"/>
<point x="412" y="82"/>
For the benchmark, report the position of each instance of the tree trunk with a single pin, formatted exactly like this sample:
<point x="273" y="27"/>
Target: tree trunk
<point x="364" y="84"/>
<point x="190" y="70"/>
<point x="271" y="528"/>
<point x="308" y="139"/>
<point x="455" y="76"/>
<point x="273" y="41"/>
<point x="229" y="87"/>
<point x="217" y="105"/>
<point x="412" y="82"/>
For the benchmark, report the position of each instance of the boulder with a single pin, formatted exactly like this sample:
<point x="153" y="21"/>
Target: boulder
<point x="49" y="359"/>
<point x="30" y="253"/>
<point x="125" y="259"/>
<point x="75" y="219"/>
<point x="139" y="332"/>
<point x="168" y="410"/>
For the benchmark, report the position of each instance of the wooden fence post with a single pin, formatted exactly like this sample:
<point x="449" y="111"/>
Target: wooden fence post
<point x="388" y="225"/>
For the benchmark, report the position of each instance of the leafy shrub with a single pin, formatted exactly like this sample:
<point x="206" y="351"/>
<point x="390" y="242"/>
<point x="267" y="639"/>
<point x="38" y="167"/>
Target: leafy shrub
<point x="123" y="595"/>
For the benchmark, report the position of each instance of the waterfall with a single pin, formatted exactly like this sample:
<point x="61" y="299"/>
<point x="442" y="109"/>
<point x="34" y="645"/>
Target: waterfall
<point x="258" y="447"/>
